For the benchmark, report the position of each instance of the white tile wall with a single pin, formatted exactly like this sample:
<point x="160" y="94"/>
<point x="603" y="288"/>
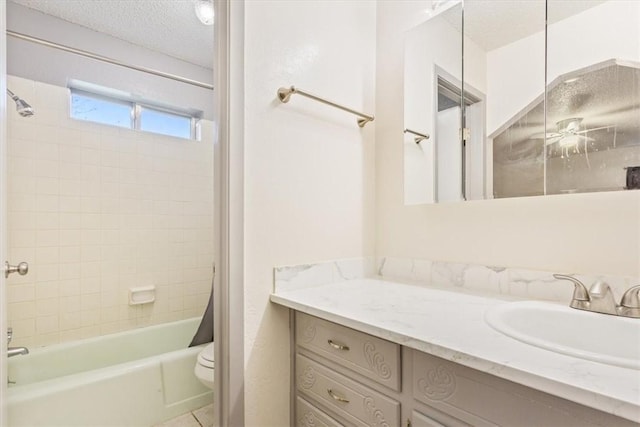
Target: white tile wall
<point x="96" y="210"/>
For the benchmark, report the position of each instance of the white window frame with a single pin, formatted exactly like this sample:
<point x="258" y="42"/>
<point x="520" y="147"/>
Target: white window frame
<point x="136" y="111"/>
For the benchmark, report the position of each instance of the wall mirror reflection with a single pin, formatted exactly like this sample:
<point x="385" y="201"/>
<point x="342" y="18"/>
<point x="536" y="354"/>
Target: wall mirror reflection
<point x="433" y="53"/>
<point x="592" y="92"/>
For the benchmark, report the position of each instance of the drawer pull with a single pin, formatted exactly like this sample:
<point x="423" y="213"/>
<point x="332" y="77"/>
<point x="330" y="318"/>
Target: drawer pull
<point x="338" y="346"/>
<point x="336" y="397"/>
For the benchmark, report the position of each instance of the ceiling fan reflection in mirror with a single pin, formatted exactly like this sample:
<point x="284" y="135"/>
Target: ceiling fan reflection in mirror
<point x="570" y="136"/>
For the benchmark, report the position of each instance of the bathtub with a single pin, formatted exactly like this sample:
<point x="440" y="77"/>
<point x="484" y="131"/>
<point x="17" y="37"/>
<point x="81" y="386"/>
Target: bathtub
<point x="133" y="378"/>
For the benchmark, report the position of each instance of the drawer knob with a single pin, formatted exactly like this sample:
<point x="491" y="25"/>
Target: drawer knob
<point x="338" y="346"/>
<point x="336" y="397"/>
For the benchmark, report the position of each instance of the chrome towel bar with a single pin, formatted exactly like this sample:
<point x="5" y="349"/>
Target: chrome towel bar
<point x="284" y="94"/>
<point x="419" y="136"/>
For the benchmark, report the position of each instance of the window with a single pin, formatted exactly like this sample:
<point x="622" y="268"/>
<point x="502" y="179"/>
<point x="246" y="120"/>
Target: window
<point x="97" y="109"/>
<point x="131" y="115"/>
<point x="166" y="123"/>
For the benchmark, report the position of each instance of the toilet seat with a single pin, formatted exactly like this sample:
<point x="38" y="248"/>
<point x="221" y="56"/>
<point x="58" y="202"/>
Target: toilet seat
<point x="205" y="357"/>
<point x="204" y="368"/>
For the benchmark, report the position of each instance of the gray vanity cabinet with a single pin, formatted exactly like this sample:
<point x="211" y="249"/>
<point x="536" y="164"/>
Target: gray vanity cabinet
<point x="352" y="376"/>
<point x="344" y="377"/>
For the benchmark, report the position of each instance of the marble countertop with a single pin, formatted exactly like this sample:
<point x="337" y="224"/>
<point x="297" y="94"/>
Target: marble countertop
<point x="450" y="324"/>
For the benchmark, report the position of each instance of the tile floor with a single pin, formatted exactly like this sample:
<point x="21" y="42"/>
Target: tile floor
<point x="202" y="417"/>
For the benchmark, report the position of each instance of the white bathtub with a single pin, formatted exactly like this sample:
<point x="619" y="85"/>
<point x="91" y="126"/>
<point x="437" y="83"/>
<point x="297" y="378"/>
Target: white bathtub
<point x="133" y="378"/>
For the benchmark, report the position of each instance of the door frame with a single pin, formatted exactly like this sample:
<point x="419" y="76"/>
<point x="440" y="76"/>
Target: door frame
<point x="3" y="211"/>
<point x="229" y="213"/>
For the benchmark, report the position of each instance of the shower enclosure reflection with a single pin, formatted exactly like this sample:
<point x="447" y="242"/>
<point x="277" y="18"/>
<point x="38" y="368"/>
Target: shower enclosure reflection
<point x="100" y="203"/>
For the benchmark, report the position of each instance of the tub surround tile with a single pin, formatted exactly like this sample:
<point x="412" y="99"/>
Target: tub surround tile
<point x="449" y="323"/>
<point x="90" y="206"/>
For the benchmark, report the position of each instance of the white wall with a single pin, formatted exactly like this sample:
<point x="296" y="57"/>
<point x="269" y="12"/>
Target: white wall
<point x="610" y="30"/>
<point x="96" y="210"/>
<point x="515" y="77"/>
<point x="309" y="180"/>
<point x="588" y="233"/>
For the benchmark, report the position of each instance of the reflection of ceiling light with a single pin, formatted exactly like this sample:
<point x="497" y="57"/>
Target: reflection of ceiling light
<point x="569" y="126"/>
<point x="204" y="11"/>
<point x="575" y="79"/>
<point x="569" y="140"/>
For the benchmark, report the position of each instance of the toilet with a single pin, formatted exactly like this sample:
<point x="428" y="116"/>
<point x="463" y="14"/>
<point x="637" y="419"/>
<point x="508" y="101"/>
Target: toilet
<point x="204" y="366"/>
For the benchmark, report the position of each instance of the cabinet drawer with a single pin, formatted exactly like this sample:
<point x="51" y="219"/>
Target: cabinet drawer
<point x="308" y="415"/>
<point x="421" y="420"/>
<point x="480" y="399"/>
<point x="372" y="357"/>
<point x="354" y="402"/>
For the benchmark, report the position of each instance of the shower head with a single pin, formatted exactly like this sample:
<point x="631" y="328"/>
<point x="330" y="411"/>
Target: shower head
<point x="22" y="107"/>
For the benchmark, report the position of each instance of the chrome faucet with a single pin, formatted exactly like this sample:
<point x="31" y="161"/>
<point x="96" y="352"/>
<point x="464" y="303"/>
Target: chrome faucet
<point x="14" y="351"/>
<point x="600" y="299"/>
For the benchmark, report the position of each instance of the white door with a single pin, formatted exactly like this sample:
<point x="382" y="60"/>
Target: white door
<point x="474" y="164"/>
<point x="449" y="155"/>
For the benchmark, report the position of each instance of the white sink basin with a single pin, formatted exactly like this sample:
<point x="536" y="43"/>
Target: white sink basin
<point x="598" y="337"/>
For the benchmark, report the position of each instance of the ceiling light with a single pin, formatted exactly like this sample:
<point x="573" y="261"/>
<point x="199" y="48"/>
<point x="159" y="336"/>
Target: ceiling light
<point x="570" y="126"/>
<point x="569" y="141"/>
<point x="204" y="11"/>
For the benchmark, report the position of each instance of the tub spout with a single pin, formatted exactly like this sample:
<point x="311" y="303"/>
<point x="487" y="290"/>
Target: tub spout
<point x="15" y="351"/>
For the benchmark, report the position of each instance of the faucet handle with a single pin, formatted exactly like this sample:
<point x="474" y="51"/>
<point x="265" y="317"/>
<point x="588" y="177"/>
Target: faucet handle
<point x="580" y="293"/>
<point x="631" y="298"/>
<point x="630" y="303"/>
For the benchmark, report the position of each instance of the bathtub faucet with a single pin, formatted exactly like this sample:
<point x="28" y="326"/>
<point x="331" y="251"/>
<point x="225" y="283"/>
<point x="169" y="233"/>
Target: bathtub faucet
<point x="15" y="351"/>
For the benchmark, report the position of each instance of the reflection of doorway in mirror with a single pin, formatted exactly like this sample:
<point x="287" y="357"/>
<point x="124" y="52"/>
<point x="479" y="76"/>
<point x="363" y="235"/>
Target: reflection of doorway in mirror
<point x="459" y="164"/>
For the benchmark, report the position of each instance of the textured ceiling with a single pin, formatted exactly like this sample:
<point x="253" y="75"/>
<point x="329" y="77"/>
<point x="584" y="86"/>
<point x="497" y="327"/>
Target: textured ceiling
<point x="496" y="23"/>
<point x="167" y="26"/>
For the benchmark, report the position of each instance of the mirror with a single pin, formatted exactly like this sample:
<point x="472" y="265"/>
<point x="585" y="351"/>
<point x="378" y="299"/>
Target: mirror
<point x="593" y="96"/>
<point x="591" y="136"/>
<point x="433" y="62"/>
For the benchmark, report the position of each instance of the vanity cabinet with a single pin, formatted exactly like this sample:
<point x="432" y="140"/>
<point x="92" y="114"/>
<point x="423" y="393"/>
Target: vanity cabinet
<point x="353" y="376"/>
<point x="345" y="377"/>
